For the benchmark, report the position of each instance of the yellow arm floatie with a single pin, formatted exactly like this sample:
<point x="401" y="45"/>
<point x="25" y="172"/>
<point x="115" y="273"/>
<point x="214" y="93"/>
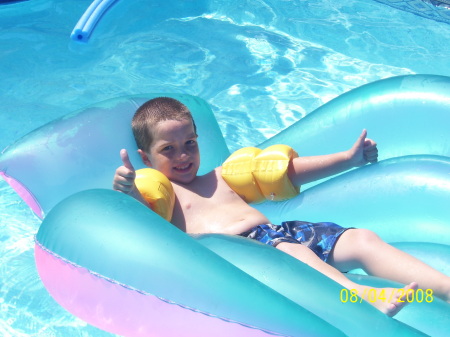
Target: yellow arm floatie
<point x="157" y="190"/>
<point x="257" y="174"/>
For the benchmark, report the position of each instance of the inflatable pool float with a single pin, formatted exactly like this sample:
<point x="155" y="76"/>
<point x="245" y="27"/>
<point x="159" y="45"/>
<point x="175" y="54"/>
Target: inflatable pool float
<point x="121" y="267"/>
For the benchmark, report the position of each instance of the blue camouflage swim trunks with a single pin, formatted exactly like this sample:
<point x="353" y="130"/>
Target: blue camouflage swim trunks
<point x="319" y="237"/>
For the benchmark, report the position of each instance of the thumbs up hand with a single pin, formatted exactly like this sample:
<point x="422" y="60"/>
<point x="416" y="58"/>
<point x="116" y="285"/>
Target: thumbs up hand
<point x="125" y="175"/>
<point x="364" y="150"/>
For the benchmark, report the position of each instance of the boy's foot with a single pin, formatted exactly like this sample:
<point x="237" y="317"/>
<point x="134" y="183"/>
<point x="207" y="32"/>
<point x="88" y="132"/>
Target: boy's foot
<point x="393" y="300"/>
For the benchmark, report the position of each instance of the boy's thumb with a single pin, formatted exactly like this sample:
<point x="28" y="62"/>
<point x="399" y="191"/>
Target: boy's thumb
<point x="126" y="160"/>
<point x="363" y="136"/>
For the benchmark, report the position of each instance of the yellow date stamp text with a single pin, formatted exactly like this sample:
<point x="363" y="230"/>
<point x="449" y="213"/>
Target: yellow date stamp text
<point x="373" y="295"/>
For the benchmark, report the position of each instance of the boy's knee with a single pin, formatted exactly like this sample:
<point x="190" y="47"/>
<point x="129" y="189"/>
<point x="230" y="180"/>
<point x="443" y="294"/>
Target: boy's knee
<point x="362" y="237"/>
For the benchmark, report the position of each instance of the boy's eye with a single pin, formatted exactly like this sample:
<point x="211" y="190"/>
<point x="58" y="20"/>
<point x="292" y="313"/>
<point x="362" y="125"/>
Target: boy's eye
<point x="167" y="148"/>
<point x="191" y="142"/>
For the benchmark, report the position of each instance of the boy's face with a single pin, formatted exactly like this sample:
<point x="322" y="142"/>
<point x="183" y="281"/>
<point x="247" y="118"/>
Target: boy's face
<point x="174" y="150"/>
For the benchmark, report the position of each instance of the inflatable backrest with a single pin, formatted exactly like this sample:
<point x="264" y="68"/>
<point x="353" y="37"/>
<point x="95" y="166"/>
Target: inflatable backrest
<point x="77" y="151"/>
<point x="406" y="115"/>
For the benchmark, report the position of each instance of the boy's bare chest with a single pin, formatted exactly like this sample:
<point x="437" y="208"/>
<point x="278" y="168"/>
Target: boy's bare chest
<point x="202" y="208"/>
<point x="210" y="207"/>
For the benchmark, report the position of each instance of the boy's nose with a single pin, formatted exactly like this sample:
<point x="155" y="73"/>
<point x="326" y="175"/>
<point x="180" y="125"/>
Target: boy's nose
<point x="182" y="155"/>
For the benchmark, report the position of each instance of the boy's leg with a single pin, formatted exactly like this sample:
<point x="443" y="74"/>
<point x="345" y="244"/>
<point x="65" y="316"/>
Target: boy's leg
<point x="361" y="248"/>
<point x="307" y="256"/>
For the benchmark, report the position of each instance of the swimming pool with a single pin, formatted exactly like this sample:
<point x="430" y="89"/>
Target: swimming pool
<point x="261" y="65"/>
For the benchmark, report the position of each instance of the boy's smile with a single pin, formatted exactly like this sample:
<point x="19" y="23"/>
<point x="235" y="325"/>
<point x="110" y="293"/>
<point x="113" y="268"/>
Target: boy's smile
<point x="174" y="150"/>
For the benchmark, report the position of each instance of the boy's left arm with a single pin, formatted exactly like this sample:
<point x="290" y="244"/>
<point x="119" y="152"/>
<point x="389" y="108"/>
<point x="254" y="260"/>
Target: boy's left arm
<point x="303" y="170"/>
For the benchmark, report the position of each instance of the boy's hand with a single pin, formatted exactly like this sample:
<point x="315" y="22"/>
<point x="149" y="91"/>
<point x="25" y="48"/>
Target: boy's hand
<point x="125" y="175"/>
<point x="363" y="151"/>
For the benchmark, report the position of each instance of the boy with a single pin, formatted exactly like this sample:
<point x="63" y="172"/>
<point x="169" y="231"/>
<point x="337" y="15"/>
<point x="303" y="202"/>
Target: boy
<point x="167" y="140"/>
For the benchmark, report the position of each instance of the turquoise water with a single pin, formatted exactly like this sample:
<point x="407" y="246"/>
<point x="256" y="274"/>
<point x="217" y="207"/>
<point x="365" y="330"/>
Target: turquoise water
<point x="261" y="65"/>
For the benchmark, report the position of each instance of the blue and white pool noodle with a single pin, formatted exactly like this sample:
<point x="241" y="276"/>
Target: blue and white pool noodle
<point x="87" y="22"/>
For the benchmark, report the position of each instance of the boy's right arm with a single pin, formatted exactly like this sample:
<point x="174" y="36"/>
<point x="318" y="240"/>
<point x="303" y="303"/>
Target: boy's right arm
<point x="124" y="178"/>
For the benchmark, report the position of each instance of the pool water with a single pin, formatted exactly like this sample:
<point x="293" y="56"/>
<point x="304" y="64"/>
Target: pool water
<point x="261" y="64"/>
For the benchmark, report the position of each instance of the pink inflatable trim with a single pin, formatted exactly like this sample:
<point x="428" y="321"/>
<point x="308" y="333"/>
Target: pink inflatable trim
<point x="24" y="193"/>
<point x="122" y="310"/>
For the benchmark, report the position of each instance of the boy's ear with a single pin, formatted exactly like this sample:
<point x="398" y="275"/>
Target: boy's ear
<point x="145" y="158"/>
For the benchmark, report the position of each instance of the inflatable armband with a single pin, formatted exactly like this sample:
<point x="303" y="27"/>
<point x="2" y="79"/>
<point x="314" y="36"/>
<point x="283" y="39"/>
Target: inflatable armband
<point x="257" y="174"/>
<point x="157" y="190"/>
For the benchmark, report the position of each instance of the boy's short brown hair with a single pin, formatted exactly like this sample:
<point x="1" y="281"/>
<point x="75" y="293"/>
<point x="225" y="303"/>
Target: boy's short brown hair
<point x="151" y="113"/>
